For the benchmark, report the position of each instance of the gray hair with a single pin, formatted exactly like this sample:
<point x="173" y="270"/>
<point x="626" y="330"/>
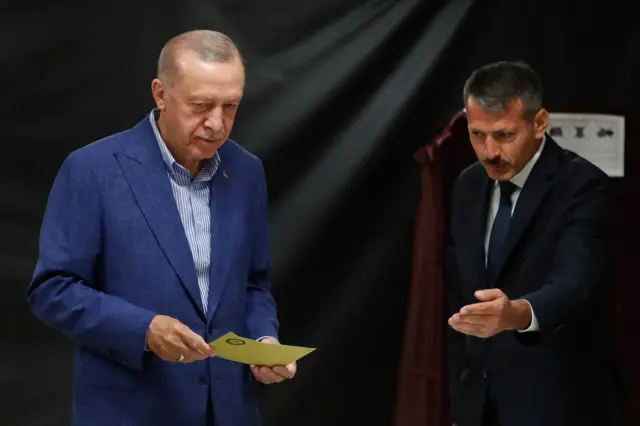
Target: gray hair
<point x="494" y="86"/>
<point x="210" y="46"/>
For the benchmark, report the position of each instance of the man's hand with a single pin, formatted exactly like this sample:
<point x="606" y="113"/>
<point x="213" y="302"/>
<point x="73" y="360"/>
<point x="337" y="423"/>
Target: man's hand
<point x="171" y="340"/>
<point x="276" y="374"/>
<point x="494" y="314"/>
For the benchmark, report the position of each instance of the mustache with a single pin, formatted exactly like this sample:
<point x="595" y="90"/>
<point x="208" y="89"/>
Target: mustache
<point x="495" y="161"/>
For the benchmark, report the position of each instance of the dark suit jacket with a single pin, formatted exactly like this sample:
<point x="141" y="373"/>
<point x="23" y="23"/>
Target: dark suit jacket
<point x="113" y="254"/>
<point x="558" y="247"/>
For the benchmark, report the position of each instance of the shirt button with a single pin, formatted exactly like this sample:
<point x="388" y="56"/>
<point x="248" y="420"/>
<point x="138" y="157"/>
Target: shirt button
<point x="202" y="380"/>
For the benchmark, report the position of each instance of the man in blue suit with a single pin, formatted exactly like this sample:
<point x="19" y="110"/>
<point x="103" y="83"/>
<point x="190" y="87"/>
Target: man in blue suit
<point x="154" y="242"/>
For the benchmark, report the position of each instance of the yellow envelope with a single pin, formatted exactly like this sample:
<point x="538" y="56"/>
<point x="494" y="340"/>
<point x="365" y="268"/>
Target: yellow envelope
<point x="240" y="349"/>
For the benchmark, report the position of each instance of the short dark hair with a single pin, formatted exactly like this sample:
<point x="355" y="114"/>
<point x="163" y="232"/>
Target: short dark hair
<point x="497" y="84"/>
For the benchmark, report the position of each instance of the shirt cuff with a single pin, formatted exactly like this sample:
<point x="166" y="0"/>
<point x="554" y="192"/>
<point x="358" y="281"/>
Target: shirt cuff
<point x="534" y="326"/>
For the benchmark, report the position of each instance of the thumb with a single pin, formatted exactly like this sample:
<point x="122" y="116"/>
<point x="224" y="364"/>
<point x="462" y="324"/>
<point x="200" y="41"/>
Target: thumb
<point x="197" y="342"/>
<point x="489" y="294"/>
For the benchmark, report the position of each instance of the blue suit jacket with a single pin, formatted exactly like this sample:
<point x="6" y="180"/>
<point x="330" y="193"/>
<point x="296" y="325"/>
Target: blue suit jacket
<point x="113" y="254"/>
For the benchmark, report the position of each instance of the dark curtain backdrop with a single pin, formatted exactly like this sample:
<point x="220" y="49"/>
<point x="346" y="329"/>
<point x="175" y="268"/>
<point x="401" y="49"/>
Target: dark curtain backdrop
<point x="340" y="95"/>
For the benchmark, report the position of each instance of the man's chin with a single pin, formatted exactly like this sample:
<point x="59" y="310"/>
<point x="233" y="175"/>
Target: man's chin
<point x="208" y="147"/>
<point x="499" y="172"/>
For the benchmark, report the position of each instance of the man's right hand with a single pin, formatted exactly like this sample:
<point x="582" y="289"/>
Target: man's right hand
<point x="171" y="340"/>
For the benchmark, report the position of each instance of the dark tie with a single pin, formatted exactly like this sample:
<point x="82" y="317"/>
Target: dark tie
<point x="500" y="229"/>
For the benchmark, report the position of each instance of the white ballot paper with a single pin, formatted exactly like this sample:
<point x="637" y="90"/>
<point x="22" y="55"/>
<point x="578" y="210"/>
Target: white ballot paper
<point x="597" y="137"/>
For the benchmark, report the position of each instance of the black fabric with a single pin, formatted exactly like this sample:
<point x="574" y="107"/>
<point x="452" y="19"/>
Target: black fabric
<point x="339" y="96"/>
<point x="490" y="416"/>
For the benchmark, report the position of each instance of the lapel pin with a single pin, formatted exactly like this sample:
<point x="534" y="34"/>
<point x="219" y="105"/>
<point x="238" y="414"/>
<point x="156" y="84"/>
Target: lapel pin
<point x="224" y="173"/>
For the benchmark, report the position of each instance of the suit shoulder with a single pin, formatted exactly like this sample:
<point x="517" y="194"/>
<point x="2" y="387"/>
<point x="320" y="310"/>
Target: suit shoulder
<point x="470" y="176"/>
<point x="94" y="161"/>
<point x="97" y="151"/>
<point x="232" y="151"/>
<point x="579" y="168"/>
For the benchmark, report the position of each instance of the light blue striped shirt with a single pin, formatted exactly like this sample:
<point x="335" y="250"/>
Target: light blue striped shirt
<point x="192" y="198"/>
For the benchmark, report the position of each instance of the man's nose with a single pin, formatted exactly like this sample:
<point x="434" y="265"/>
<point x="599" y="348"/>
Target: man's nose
<point x="214" y="120"/>
<point x="492" y="148"/>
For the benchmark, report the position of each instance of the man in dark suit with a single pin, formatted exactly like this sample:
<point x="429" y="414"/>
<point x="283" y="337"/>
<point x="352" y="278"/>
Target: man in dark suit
<point x="529" y="247"/>
<point x="155" y="241"/>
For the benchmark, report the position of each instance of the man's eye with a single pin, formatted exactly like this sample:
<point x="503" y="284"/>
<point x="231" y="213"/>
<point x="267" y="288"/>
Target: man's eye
<point x="504" y="135"/>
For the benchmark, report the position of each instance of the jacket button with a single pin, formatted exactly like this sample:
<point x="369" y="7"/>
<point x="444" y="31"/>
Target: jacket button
<point x="484" y="373"/>
<point x="202" y="380"/>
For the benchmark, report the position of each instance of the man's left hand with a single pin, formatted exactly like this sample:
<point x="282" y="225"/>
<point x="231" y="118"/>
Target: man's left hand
<point x="275" y="374"/>
<point x="495" y="313"/>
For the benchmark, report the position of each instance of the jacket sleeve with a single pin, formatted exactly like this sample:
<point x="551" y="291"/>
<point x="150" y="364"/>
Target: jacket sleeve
<point x="63" y="292"/>
<point x="582" y="253"/>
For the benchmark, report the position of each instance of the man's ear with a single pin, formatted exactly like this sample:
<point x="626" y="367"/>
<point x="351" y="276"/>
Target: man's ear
<point x="159" y="92"/>
<point x="541" y="123"/>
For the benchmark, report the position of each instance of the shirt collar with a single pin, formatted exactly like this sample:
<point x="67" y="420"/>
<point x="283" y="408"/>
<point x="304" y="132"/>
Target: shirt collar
<point x="520" y="179"/>
<point x="209" y="166"/>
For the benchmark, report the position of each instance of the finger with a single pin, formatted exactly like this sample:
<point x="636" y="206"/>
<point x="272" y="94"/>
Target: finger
<point x="466" y="328"/>
<point x="194" y="355"/>
<point x="259" y="377"/>
<point x="273" y="375"/>
<point x="282" y="371"/>
<point x="196" y="343"/>
<point x="185" y="352"/>
<point x="179" y="350"/>
<point x="171" y="349"/>
<point x="174" y="353"/>
<point x="473" y="319"/>
<point x="478" y="330"/>
<point x="484" y="308"/>
<point x="470" y="329"/>
<point x="293" y="369"/>
<point x="489" y="294"/>
<point x="267" y="375"/>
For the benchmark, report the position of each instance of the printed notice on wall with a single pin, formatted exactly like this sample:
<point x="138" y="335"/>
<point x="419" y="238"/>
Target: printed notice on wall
<point x="598" y="138"/>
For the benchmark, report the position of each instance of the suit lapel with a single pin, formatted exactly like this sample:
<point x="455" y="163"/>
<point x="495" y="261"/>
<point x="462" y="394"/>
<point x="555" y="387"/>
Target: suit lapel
<point x="146" y="174"/>
<point x="530" y="197"/>
<point x="222" y="209"/>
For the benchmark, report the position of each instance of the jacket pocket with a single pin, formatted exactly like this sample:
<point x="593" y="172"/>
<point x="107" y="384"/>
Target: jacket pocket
<point x="97" y="370"/>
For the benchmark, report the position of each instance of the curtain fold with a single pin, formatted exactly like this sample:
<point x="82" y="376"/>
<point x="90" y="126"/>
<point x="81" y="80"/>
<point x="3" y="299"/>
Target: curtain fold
<point x="422" y="395"/>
